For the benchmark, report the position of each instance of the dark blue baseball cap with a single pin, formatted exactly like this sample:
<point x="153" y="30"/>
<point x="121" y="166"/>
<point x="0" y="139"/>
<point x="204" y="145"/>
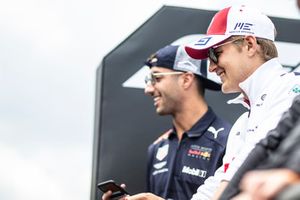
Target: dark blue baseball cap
<point x="175" y="58"/>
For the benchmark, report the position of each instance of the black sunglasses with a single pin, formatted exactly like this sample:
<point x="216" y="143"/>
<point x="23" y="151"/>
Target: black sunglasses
<point x="213" y="55"/>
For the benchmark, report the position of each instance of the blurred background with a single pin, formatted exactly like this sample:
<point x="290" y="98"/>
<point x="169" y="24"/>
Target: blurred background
<point x="49" y="53"/>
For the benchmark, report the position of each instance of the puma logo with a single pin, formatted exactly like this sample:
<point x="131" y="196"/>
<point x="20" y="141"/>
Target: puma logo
<point x="214" y="131"/>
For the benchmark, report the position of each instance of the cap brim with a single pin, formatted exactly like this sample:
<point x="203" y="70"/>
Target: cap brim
<point x="199" y="48"/>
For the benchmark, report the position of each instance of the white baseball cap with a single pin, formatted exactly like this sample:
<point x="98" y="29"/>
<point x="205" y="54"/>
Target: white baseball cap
<point x="234" y="20"/>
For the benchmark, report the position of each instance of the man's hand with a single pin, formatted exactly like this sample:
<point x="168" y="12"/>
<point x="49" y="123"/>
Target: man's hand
<point x="266" y="184"/>
<point x="220" y="190"/>
<point x="243" y="196"/>
<point x="107" y="195"/>
<point x="143" y="196"/>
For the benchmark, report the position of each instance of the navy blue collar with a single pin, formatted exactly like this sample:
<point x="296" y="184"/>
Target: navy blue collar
<point x="200" y="126"/>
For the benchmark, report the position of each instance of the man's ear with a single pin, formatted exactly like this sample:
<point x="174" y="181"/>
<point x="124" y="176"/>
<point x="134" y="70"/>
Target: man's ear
<point x="188" y="79"/>
<point x="252" y="45"/>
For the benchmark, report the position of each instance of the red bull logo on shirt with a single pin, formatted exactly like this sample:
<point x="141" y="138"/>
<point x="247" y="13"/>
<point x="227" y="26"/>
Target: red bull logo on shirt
<point x="199" y="152"/>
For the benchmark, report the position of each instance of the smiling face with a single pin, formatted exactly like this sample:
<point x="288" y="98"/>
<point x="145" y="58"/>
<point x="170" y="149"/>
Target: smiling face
<point x="165" y="92"/>
<point x="232" y="67"/>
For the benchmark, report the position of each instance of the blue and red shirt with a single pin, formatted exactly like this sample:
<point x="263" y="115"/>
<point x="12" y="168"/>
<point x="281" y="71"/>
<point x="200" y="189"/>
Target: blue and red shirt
<point x="177" y="168"/>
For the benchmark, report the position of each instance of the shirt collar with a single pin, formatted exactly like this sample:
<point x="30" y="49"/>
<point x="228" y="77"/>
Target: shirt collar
<point x="202" y="124"/>
<point x="256" y="83"/>
<point x="240" y="100"/>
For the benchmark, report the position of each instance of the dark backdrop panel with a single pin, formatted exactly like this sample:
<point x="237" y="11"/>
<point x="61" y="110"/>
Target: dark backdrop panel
<point x="125" y="119"/>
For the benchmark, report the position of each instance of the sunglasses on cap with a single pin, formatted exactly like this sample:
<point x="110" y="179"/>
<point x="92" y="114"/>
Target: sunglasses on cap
<point x="152" y="78"/>
<point x="213" y="55"/>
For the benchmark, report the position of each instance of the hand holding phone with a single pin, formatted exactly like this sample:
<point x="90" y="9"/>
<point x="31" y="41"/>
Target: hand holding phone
<point x="117" y="191"/>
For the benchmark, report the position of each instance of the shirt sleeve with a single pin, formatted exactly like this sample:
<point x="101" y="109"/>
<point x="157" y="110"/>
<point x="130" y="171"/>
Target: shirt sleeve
<point x="208" y="188"/>
<point x="149" y="165"/>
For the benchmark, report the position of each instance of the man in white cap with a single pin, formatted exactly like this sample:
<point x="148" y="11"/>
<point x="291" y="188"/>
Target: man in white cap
<point x="240" y="46"/>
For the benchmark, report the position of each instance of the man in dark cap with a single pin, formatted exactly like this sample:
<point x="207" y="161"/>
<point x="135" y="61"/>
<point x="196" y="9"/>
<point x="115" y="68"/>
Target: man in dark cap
<point x="193" y="148"/>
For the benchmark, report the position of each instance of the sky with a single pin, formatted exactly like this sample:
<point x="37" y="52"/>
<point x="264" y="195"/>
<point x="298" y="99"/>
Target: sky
<point x="49" y="53"/>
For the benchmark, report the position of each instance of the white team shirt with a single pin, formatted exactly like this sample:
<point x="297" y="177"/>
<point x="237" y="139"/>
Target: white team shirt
<point x="270" y="91"/>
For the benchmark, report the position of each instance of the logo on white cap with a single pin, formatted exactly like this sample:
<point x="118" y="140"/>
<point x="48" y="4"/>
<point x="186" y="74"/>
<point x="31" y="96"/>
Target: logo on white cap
<point x="241" y="27"/>
<point x="203" y="41"/>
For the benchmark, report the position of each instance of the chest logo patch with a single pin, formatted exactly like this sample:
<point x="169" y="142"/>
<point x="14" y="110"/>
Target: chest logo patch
<point x="214" y="131"/>
<point x="197" y="151"/>
<point x="296" y="89"/>
<point x="162" y="152"/>
<point x="262" y="99"/>
<point x="194" y="172"/>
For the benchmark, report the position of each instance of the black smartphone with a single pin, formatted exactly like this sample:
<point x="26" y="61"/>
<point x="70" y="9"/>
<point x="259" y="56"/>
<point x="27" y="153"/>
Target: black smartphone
<point x="117" y="191"/>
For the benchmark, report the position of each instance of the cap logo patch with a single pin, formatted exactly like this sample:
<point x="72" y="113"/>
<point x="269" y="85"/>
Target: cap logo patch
<point x="242" y="27"/>
<point x="203" y="41"/>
